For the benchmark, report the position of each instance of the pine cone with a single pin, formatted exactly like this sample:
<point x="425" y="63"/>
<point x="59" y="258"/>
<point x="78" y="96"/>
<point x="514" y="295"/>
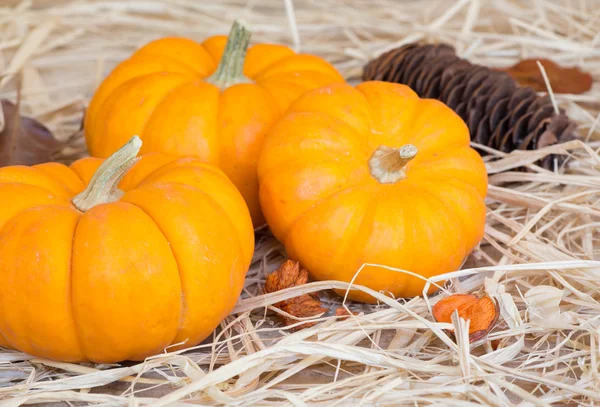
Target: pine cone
<point x="498" y="112"/>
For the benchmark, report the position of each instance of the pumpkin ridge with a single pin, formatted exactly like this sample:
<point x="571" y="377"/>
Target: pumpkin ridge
<point x="164" y="170"/>
<point x="330" y="192"/>
<point x="185" y="51"/>
<point x="366" y="224"/>
<point x="44" y="168"/>
<point x="360" y="123"/>
<point x="257" y="75"/>
<point x="214" y="46"/>
<point x="301" y="163"/>
<point x="214" y="60"/>
<point x="360" y="140"/>
<point x="79" y="176"/>
<point x="159" y="105"/>
<point x="273" y="100"/>
<point x="241" y="136"/>
<point x="3" y="232"/>
<point x="109" y="99"/>
<point x="172" y="166"/>
<point x="140" y="59"/>
<point x="60" y="191"/>
<point x="449" y="214"/>
<point x="70" y="293"/>
<point x="162" y="56"/>
<point x="160" y="102"/>
<point x="422" y="108"/>
<point x="116" y="279"/>
<point x="49" y="192"/>
<point x="207" y="195"/>
<point x="34" y="219"/>
<point x="462" y="185"/>
<point x="364" y="142"/>
<point x="285" y="78"/>
<point x="125" y="71"/>
<point x="59" y="201"/>
<point x="217" y="204"/>
<point x="214" y="204"/>
<point x="204" y="193"/>
<point x="136" y="78"/>
<point x="427" y="107"/>
<point x="455" y="144"/>
<point x="320" y="202"/>
<point x="374" y="126"/>
<point x="438" y="178"/>
<point x="317" y="61"/>
<point x="435" y="175"/>
<point x="68" y="192"/>
<point x="183" y="301"/>
<point x="89" y="120"/>
<point x="261" y="84"/>
<point x="410" y="236"/>
<point x="364" y="236"/>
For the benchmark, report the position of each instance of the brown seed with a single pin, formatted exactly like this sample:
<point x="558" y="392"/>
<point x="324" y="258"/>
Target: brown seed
<point x="481" y="312"/>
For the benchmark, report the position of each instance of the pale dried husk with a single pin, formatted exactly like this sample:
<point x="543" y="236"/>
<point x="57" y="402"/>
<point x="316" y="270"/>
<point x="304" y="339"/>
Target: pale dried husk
<point x="539" y="257"/>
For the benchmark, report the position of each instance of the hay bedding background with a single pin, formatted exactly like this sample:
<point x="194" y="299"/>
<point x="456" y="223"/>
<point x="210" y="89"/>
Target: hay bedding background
<point x="539" y="257"/>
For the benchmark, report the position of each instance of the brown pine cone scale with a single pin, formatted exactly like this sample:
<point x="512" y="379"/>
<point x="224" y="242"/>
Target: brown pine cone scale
<point x="499" y="113"/>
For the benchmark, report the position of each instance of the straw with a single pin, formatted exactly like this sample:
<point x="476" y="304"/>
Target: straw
<point x="539" y="258"/>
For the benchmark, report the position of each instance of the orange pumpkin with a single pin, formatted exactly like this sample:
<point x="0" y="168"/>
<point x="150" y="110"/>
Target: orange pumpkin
<point x="106" y="274"/>
<point x="373" y="174"/>
<point x="171" y="93"/>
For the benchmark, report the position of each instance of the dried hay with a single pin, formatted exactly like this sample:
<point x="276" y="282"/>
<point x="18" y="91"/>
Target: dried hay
<point x="539" y="257"/>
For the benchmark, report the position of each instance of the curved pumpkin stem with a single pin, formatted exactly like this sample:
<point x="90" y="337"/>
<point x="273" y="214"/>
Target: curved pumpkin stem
<point x="231" y="67"/>
<point x="387" y="163"/>
<point x="103" y="186"/>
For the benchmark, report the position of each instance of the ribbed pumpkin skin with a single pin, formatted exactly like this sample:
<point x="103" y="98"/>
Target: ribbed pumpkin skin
<point x="159" y="94"/>
<point x="320" y="200"/>
<point x="124" y="280"/>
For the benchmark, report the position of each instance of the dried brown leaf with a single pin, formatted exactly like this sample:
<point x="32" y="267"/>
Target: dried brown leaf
<point x="562" y="79"/>
<point x="24" y="141"/>
<point x="303" y="306"/>
<point x="290" y="274"/>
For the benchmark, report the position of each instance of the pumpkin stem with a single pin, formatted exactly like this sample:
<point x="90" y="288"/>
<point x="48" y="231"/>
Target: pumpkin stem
<point x="231" y="67"/>
<point x="103" y="186"/>
<point x="387" y="163"/>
